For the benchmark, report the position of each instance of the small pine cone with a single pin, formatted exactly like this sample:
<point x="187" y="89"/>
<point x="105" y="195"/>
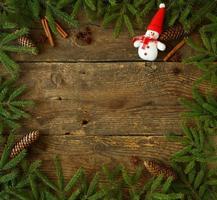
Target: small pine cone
<point x="156" y="168"/>
<point x="25" y="41"/>
<point x="24" y="143"/>
<point x="173" y="33"/>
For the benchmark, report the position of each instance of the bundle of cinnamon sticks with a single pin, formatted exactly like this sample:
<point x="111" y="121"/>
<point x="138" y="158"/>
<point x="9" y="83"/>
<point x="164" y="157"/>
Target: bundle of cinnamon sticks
<point x="48" y="33"/>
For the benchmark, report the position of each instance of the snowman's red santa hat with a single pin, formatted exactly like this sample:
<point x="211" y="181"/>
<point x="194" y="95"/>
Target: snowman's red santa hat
<point x="157" y="21"/>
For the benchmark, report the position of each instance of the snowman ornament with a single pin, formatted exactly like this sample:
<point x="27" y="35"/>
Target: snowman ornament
<point x="147" y="44"/>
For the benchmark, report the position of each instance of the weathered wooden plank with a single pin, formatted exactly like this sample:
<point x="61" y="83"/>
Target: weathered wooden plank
<point x="107" y="98"/>
<point x="91" y="152"/>
<point x="103" y="48"/>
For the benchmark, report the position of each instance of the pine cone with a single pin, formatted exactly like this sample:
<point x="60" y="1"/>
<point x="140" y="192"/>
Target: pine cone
<point x="173" y="33"/>
<point x="156" y="168"/>
<point x="25" y="41"/>
<point x="24" y="143"/>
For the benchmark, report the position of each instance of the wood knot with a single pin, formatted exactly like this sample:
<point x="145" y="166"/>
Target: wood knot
<point x="153" y="66"/>
<point x="118" y="103"/>
<point x="149" y="103"/>
<point x="150" y="67"/>
<point x="84" y="122"/>
<point x="82" y="72"/>
<point x="56" y="79"/>
<point x="99" y="147"/>
<point x="176" y="71"/>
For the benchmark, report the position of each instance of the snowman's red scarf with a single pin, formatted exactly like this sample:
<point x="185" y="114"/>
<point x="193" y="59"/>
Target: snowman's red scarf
<point x="145" y="40"/>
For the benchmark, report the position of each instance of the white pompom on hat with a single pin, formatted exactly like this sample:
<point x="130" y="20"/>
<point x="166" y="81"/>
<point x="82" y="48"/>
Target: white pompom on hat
<point x="162" y="5"/>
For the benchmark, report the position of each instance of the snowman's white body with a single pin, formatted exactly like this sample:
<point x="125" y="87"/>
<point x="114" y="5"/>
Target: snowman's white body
<point x="149" y="51"/>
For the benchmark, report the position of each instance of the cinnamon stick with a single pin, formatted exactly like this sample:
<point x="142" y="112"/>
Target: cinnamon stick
<point x="50" y="38"/>
<point x="61" y="31"/>
<point x="44" y="27"/>
<point x="47" y="31"/>
<point x="174" y="50"/>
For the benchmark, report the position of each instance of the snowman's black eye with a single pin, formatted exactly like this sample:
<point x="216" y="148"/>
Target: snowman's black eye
<point x="145" y="54"/>
<point x="148" y="47"/>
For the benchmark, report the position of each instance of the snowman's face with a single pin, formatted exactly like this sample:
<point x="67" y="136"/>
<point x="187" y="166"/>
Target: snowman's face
<point x="152" y="34"/>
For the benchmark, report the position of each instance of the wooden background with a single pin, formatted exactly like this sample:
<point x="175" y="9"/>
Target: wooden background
<point x="100" y="104"/>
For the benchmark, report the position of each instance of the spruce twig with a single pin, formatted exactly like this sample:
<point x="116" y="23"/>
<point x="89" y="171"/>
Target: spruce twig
<point x="5" y="47"/>
<point x="11" y="106"/>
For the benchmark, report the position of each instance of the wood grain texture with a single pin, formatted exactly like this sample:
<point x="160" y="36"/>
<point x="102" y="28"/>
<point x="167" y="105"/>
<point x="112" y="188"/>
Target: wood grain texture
<point x="91" y="152"/>
<point x="95" y="105"/>
<point x="107" y="98"/>
<point x="103" y="48"/>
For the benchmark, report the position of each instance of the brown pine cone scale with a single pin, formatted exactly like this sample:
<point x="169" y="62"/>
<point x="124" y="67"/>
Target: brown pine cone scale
<point x="156" y="168"/>
<point x="173" y="33"/>
<point x="24" y="143"/>
<point x="25" y="41"/>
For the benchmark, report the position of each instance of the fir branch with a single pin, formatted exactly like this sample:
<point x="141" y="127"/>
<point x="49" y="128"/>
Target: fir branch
<point x="11" y="108"/>
<point x="34" y="7"/>
<point x="74" y="180"/>
<point x="203" y="109"/>
<point x="93" y="8"/>
<point x="122" y="12"/>
<point x="9" y="64"/>
<point x="60" y="178"/>
<point x="33" y="186"/>
<point x="193" y="171"/>
<point x="13" y="36"/>
<point x="5" y="46"/>
<point x="12" y="183"/>
<point x="6" y="152"/>
<point x="195" y="179"/>
<point x="46" y="181"/>
<point x="13" y="163"/>
<point x="62" y="15"/>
